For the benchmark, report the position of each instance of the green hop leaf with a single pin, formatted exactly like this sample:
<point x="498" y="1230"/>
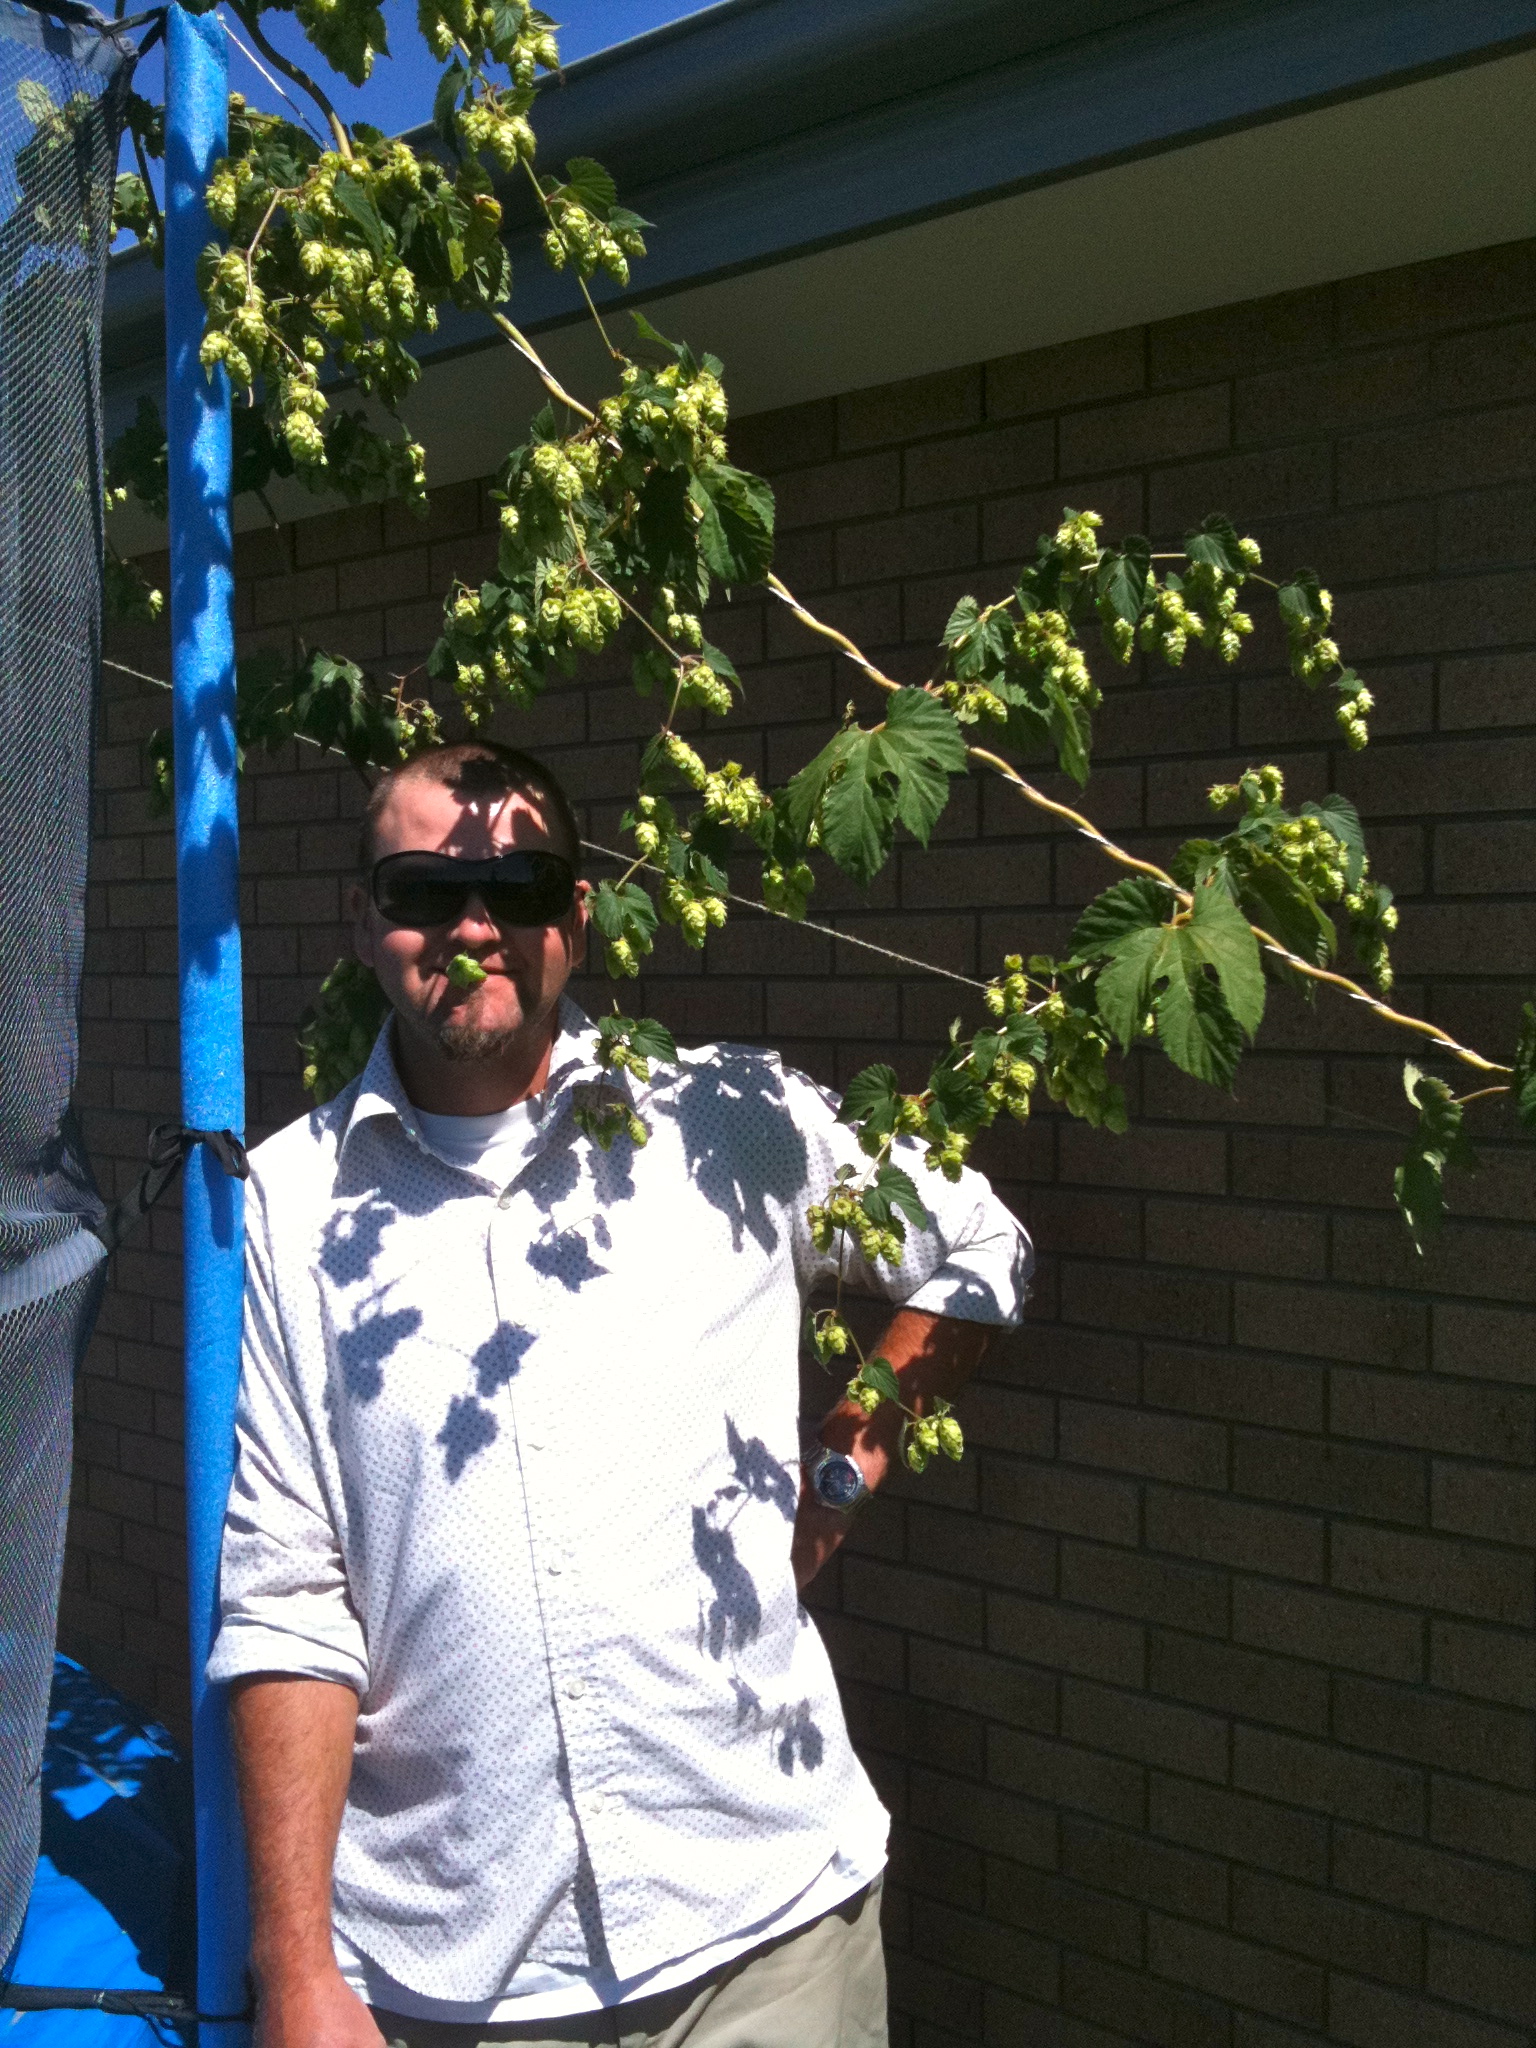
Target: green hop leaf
<point x="1136" y="904"/>
<point x="1285" y="908"/>
<point x="337" y="1034"/>
<point x="894" y="1193"/>
<point x="1340" y="817"/>
<point x="735" y="522"/>
<point x="1215" y="542"/>
<point x="1438" y="1142"/>
<point x="624" y="912"/>
<point x="871" y="1100"/>
<point x="863" y="782"/>
<point x="978" y="644"/>
<point x="1220" y="934"/>
<point x="35" y="101"/>
<point x="880" y="1375"/>
<point x="1123" y="576"/>
<point x="1300" y="601"/>
<point x="653" y="1041"/>
<point x="1200" y="1022"/>
<point x="648" y="333"/>
<point x="591" y="184"/>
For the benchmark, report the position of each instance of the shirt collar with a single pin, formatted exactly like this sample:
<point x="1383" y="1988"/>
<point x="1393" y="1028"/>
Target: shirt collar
<point x="381" y="1092"/>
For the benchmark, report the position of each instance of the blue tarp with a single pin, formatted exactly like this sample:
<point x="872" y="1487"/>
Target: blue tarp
<point x="111" y="1905"/>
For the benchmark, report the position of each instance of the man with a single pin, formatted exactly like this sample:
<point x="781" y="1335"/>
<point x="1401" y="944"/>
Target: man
<point x="536" y="1742"/>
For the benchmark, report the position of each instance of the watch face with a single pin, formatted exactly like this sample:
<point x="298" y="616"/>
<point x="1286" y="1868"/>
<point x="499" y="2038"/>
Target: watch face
<point x="839" y="1482"/>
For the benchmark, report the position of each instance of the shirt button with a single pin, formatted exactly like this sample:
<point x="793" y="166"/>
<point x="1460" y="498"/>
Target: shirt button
<point x="596" y="1803"/>
<point x="575" y="1688"/>
<point x="504" y="1199"/>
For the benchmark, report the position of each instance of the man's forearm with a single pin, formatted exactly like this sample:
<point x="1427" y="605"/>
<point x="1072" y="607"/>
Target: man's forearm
<point x="293" y="1754"/>
<point x="933" y="1357"/>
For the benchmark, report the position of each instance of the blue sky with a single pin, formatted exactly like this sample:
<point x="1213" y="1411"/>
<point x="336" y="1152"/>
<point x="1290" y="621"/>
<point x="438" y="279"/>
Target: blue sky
<point x="399" y="95"/>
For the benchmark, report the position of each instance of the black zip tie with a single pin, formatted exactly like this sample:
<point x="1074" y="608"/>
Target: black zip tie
<point x="143" y="2005"/>
<point x="169" y="1145"/>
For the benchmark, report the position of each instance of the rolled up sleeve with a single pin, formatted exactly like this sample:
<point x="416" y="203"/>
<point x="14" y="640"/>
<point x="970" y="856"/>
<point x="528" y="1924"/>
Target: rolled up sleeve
<point x="972" y="1259"/>
<point x="283" y="1595"/>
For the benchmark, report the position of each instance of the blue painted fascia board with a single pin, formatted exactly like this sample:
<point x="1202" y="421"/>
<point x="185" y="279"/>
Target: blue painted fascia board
<point x="1070" y="86"/>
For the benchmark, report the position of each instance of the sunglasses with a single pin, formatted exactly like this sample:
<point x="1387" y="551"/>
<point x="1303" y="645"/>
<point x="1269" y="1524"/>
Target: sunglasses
<point x="425" y="889"/>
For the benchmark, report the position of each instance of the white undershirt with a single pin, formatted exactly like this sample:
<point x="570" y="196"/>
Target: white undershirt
<point x="495" y="1147"/>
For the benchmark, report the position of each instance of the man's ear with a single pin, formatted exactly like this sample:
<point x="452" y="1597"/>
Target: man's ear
<point x="362" y="932"/>
<point x="582" y="919"/>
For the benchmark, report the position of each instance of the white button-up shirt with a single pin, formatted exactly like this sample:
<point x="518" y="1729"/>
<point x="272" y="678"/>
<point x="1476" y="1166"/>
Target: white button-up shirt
<point x="519" y="1463"/>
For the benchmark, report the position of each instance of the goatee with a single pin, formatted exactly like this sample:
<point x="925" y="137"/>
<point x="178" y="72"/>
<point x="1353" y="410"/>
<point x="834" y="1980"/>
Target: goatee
<point x="458" y="1039"/>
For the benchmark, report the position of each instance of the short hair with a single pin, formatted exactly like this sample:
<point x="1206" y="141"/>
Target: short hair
<point x="476" y="768"/>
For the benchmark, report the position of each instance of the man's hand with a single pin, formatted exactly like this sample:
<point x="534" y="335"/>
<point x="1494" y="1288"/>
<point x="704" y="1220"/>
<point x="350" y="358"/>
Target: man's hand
<point x="320" y="2012"/>
<point x="932" y="1356"/>
<point x="293" y="1755"/>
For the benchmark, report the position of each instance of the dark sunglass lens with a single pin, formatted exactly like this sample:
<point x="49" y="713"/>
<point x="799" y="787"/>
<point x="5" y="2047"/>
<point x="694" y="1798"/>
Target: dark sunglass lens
<point x="530" y="889"/>
<point x="525" y="888"/>
<point x="416" y="896"/>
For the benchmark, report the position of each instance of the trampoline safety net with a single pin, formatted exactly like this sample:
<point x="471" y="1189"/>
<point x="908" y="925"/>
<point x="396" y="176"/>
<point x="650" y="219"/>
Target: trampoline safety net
<point x="61" y="94"/>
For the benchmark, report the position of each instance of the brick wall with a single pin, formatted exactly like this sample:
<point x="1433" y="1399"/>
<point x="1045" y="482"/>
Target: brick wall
<point x="1202" y="1691"/>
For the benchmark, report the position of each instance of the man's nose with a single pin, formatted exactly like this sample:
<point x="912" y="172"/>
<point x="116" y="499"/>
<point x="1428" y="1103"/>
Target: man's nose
<point x="474" y="922"/>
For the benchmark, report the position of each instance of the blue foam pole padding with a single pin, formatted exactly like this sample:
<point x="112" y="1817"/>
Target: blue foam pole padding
<point x="208" y="909"/>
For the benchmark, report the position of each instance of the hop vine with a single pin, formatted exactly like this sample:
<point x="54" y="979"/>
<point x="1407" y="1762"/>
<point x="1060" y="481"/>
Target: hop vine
<point x="619" y="522"/>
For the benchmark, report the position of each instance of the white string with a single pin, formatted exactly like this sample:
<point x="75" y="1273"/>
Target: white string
<point x="804" y="924"/>
<point x="1444" y="1040"/>
<point x="137" y="673"/>
<point x="251" y="58"/>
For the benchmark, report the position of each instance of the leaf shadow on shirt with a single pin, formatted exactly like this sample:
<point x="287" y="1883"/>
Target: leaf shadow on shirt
<point x="563" y="1251"/>
<point x="565" y="1255"/>
<point x="471" y="1425"/>
<point x="353" y="1233"/>
<point x="759" y="1472"/>
<point x="797" y="1739"/>
<point x="735" y="1615"/>
<point x="362" y="1350"/>
<point x="712" y="1108"/>
<point x="733" y="1619"/>
<point x="469" y="1428"/>
<point x="351" y="1241"/>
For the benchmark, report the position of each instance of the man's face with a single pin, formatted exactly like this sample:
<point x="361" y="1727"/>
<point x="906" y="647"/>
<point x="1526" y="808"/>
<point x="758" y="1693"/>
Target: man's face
<point x="526" y="967"/>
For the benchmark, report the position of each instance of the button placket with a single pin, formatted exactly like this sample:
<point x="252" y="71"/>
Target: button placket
<point x="546" y="1477"/>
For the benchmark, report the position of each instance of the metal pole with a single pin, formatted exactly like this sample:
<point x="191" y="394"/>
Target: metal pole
<point x="208" y="913"/>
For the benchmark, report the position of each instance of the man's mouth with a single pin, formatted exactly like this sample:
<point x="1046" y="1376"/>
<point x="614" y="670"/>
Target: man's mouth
<point x="466" y="973"/>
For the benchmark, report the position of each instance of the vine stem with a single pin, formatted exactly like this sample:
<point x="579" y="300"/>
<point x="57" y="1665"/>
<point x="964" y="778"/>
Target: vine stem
<point x="536" y="362"/>
<point x="1041" y="801"/>
<point x="548" y="211"/>
<point x="273" y="204"/>
<point x="300" y="78"/>
<point x="672" y="653"/>
<point x="282" y="92"/>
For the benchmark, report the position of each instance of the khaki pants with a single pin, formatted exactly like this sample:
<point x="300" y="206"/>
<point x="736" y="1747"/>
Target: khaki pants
<point x="822" y="1986"/>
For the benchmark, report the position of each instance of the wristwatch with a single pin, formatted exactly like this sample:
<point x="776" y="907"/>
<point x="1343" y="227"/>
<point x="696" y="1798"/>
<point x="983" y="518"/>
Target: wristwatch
<point x="836" y="1479"/>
